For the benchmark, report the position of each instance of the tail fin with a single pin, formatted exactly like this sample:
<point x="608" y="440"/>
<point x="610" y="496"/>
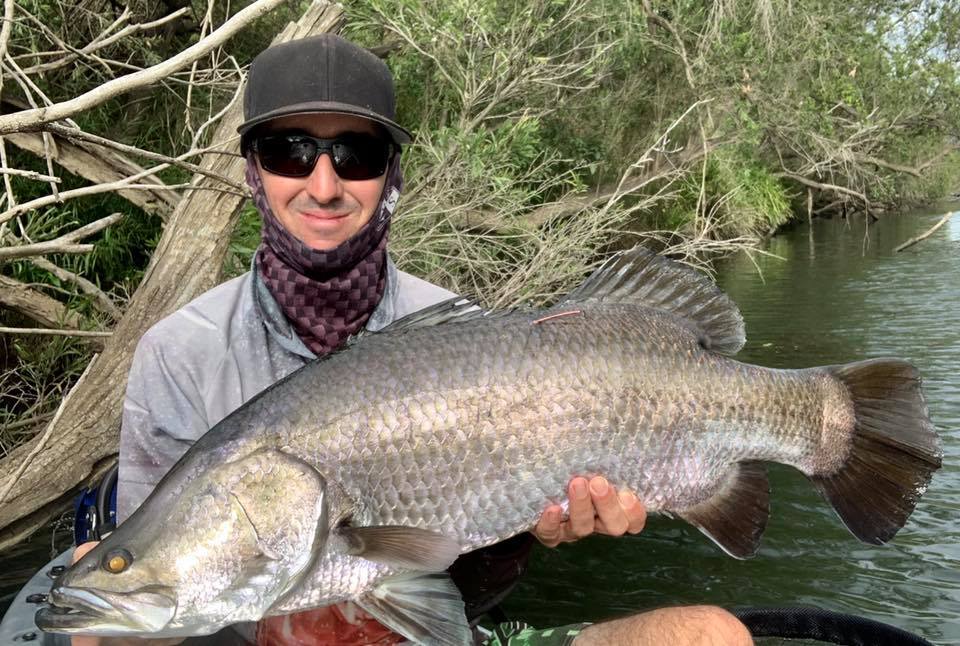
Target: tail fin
<point x="894" y="453"/>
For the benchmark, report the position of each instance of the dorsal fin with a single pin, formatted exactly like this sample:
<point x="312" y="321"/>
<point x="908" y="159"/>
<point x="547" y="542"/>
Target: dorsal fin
<point x="643" y="277"/>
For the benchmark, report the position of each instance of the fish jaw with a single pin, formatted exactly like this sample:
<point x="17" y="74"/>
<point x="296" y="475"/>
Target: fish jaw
<point x="90" y="611"/>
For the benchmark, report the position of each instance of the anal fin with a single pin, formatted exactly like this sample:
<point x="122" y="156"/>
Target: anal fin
<point x="425" y="608"/>
<point x="735" y="516"/>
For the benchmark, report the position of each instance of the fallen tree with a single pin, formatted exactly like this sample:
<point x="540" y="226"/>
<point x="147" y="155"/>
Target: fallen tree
<point x="81" y="442"/>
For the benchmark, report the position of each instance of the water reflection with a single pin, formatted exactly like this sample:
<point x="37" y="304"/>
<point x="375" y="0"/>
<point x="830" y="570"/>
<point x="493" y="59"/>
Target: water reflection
<point x="836" y="292"/>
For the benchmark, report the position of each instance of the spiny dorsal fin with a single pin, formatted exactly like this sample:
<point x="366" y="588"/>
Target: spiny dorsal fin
<point x="643" y="277"/>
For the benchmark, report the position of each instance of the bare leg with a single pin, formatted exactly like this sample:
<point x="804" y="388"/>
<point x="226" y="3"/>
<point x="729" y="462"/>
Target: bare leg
<point x="682" y="626"/>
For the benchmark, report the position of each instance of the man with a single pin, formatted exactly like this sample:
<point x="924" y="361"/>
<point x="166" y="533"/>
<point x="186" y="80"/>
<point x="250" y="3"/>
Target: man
<point x="323" y="155"/>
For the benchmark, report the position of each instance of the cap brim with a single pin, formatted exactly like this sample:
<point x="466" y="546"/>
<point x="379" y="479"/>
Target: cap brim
<point x="400" y="135"/>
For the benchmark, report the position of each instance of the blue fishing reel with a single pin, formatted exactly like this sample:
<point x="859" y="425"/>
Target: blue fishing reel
<point x="96" y="509"/>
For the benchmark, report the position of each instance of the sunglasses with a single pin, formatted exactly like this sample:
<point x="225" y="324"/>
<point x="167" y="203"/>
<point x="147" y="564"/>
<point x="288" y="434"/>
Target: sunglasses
<point x="355" y="156"/>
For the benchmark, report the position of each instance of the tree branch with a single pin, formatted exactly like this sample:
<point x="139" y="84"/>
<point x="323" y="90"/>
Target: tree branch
<point x="100" y="299"/>
<point x="73" y="134"/>
<point x="92" y="334"/>
<point x="29" y="174"/>
<point x="96" y="164"/>
<point x="100" y="42"/>
<point x="66" y="243"/>
<point x="48" y="312"/>
<point x="8" y="7"/>
<point x="823" y="187"/>
<point x="30" y="119"/>
<point x="889" y="165"/>
<point x="929" y="232"/>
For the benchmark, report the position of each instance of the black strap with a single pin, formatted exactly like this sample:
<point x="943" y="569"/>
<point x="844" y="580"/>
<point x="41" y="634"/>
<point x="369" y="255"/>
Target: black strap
<point x="105" y="519"/>
<point x="824" y="625"/>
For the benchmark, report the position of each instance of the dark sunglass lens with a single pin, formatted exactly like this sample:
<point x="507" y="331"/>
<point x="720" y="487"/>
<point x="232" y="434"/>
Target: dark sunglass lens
<point x="358" y="158"/>
<point x="288" y="155"/>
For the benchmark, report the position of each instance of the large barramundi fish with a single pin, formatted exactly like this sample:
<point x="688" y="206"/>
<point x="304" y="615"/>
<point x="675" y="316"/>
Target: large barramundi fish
<point x="363" y="475"/>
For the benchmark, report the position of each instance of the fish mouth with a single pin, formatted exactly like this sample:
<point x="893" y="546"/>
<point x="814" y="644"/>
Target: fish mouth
<point x="103" y="612"/>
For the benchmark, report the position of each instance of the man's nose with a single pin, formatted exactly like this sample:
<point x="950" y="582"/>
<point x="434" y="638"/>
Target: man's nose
<point x="323" y="183"/>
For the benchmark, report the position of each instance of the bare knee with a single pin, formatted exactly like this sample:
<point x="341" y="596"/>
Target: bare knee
<point x="681" y="626"/>
<point x="721" y="627"/>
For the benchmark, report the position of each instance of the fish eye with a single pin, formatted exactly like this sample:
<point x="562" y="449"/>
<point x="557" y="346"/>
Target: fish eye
<point x="117" y="560"/>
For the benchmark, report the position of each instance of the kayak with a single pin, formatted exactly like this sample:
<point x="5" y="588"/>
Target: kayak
<point x="18" y="627"/>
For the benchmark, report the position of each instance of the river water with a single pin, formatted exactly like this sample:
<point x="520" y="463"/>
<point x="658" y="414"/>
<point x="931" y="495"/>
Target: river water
<point x="836" y="292"/>
<point x="828" y="294"/>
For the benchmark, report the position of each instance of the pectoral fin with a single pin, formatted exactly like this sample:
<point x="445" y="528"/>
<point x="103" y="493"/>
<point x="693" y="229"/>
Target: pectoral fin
<point x="409" y="548"/>
<point x="426" y="608"/>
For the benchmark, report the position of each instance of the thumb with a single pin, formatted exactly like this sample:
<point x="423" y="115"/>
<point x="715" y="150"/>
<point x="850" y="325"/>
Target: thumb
<point x="82" y="549"/>
<point x="548" y="527"/>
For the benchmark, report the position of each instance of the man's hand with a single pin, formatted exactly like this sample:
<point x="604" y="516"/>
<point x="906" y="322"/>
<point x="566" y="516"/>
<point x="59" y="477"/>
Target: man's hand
<point x="595" y="507"/>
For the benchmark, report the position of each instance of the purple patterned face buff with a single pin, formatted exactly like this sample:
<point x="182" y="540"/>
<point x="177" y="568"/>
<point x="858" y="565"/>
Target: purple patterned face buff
<point x="326" y="295"/>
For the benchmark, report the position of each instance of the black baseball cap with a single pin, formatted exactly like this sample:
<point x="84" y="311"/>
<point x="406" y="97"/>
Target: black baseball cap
<point x="323" y="73"/>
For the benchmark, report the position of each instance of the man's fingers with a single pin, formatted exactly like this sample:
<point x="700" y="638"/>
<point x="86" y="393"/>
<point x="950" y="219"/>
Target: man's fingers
<point x="82" y="549"/>
<point x="595" y="507"/>
<point x="548" y="530"/>
<point x="610" y="514"/>
<point x="582" y="512"/>
<point x="634" y="510"/>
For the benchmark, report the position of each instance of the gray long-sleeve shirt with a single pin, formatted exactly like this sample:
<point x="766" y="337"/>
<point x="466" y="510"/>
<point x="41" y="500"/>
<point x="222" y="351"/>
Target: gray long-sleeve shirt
<point x="196" y="366"/>
<point x="202" y="362"/>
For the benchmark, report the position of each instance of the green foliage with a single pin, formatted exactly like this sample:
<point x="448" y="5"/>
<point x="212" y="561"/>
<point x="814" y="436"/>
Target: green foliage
<point x="243" y="243"/>
<point x="741" y="195"/>
<point x="120" y="253"/>
<point x="938" y="181"/>
<point x="523" y="111"/>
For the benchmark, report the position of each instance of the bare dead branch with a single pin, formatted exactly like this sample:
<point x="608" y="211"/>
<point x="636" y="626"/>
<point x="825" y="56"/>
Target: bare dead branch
<point x="29" y="119"/>
<point x="46" y="435"/>
<point x="824" y="187"/>
<point x="75" y="134"/>
<point x="66" y="243"/>
<point x="829" y="206"/>
<point x="48" y="312"/>
<point x="100" y="42"/>
<point x="96" y="164"/>
<point x="30" y="174"/>
<point x="100" y="299"/>
<point x="11" y="197"/>
<point x="91" y="334"/>
<point x="927" y="234"/>
<point x="8" y="7"/>
<point x="47" y="200"/>
<point x="889" y="165"/>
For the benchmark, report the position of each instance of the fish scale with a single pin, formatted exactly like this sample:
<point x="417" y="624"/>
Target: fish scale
<point x="363" y="475"/>
<point x="572" y="419"/>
